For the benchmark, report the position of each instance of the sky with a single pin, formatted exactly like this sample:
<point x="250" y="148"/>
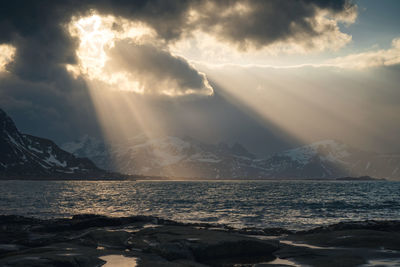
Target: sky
<point x="267" y="74"/>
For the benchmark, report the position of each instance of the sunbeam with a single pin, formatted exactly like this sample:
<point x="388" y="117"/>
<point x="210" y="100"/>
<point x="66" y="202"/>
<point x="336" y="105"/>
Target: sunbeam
<point x="199" y="132"/>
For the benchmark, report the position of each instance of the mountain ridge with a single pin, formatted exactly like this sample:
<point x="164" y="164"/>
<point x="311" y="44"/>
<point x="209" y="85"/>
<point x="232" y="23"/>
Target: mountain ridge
<point x="25" y="156"/>
<point x="186" y="157"/>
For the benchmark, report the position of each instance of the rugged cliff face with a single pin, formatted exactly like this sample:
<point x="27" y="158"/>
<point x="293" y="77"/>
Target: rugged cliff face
<point x="27" y="156"/>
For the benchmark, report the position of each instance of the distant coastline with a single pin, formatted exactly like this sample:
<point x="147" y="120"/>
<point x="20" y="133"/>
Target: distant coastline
<point x="360" y="178"/>
<point x="126" y="177"/>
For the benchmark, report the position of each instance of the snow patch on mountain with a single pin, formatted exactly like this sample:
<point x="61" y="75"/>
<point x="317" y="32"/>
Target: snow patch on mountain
<point x="164" y="155"/>
<point x="186" y="157"/>
<point x="327" y="150"/>
<point x="23" y="155"/>
<point x="52" y="160"/>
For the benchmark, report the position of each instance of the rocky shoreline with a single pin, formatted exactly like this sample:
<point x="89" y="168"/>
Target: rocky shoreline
<point x="95" y="240"/>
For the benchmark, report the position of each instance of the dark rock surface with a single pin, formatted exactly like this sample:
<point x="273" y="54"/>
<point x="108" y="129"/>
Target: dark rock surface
<point x="82" y="240"/>
<point x="93" y="240"/>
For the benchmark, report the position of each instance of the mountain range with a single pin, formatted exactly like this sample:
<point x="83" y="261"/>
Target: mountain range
<point x="29" y="157"/>
<point x="185" y="157"/>
<point x="168" y="156"/>
<point x="26" y="156"/>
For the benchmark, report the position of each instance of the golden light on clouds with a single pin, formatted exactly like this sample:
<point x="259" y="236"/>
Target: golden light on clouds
<point x="211" y="47"/>
<point x="126" y="55"/>
<point x="96" y="35"/>
<point x="131" y="56"/>
<point x="370" y="59"/>
<point x="94" y="38"/>
<point x="7" y="53"/>
<point x="121" y="61"/>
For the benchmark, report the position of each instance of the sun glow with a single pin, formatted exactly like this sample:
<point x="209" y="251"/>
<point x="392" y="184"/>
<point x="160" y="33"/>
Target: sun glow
<point x="94" y="39"/>
<point x="128" y="56"/>
<point x="97" y="35"/>
<point x="120" y="113"/>
<point x="7" y="53"/>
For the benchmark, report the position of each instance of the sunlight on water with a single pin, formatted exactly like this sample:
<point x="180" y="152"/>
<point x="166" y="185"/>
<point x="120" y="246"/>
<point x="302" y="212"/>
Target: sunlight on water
<point x="383" y="262"/>
<point x="290" y="204"/>
<point x="283" y="262"/>
<point x="118" y="261"/>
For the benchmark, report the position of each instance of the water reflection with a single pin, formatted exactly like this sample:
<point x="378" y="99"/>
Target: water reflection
<point x="290" y="204"/>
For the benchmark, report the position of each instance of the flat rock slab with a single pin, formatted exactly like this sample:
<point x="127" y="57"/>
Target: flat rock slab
<point x="202" y="245"/>
<point x="356" y="238"/>
<point x="63" y="254"/>
<point x="84" y="240"/>
<point x="148" y="241"/>
<point x="340" y="245"/>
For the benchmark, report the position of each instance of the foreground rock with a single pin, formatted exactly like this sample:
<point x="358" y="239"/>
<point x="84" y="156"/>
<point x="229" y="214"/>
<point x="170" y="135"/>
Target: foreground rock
<point x="369" y="243"/>
<point x="92" y="240"/>
<point x="83" y="240"/>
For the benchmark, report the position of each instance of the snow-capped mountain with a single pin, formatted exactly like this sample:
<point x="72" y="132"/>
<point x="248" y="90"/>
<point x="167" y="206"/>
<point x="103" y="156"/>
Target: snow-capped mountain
<point x="331" y="159"/>
<point x="88" y="147"/>
<point x="168" y="156"/>
<point x="27" y="156"/>
<point x="186" y="157"/>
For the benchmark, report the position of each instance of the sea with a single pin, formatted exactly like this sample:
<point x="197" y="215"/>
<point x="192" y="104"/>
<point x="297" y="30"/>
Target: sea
<point x="287" y="204"/>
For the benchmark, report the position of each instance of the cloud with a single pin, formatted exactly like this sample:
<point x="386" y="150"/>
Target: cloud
<point x="127" y="56"/>
<point x="257" y="24"/>
<point x="39" y="90"/>
<point x="370" y="59"/>
<point x="155" y="71"/>
<point x="43" y="109"/>
<point x="39" y="35"/>
<point x="44" y="45"/>
<point x="7" y="53"/>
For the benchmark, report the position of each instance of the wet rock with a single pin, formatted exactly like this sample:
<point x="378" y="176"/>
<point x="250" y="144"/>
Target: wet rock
<point x="7" y="248"/>
<point x="271" y="265"/>
<point x="276" y="231"/>
<point x="352" y="238"/>
<point x="58" y="255"/>
<point x="82" y="240"/>
<point x="305" y="256"/>
<point x="86" y="221"/>
<point x="106" y="238"/>
<point x="183" y="242"/>
<point x="234" y="249"/>
<point x="173" y="251"/>
<point x="387" y="226"/>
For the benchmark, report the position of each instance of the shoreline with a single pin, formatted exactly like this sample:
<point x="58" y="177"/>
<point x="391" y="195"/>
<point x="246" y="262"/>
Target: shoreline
<point x="140" y="178"/>
<point x="88" y="240"/>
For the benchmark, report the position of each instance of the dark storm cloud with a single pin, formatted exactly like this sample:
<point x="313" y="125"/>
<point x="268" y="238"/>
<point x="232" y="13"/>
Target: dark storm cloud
<point x="259" y="23"/>
<point x="35" y="29"/>
<point x="156" y="69"/>
<point x="43" y="44"/>
<point x="38" y="91"/>
<point x="44" y="110"/>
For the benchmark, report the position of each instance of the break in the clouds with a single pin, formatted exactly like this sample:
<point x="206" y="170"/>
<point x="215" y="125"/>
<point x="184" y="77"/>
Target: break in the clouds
<point x="374" y="58"/>
<point x="45" y="75"/>
<point x="44" y="46"/>
<point x="7" y="53"/>
<point x="128" y="56"/>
